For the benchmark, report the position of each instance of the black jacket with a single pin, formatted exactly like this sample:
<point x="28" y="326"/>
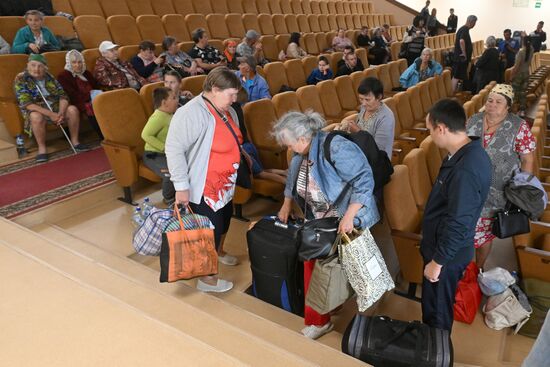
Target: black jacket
<point x="455" y="204"/>
<point x="488" y="68"/>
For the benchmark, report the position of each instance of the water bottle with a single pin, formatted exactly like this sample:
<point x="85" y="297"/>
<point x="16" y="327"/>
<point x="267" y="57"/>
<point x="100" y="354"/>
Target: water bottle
<point x="137" y="219"/>
<point x="146" y="208"/>
<point x="20" y="145"/>
<point x="515" y="275"/>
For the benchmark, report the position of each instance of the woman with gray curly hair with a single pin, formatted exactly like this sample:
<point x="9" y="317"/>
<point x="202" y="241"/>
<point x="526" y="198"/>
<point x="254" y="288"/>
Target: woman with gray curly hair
<point x="488" y="66"/>
<point x="348" y="179"/>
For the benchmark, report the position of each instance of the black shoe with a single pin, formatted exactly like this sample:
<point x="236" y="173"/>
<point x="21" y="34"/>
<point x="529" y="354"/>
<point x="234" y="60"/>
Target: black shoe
<point x="41" y="158"/>
<point x="81" y="148"/>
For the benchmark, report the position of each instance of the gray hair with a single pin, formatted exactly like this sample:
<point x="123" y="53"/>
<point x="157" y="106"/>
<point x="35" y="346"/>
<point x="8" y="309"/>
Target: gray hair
<point x="294" y="125"/>
<point x="38" y="13"/>
<point x="427" y="50"/>
<point x="491" y="41"/>
<point x="471" y="19"/>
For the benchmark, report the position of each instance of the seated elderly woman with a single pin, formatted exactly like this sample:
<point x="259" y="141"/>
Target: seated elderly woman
<point x="43" y="101"/>
<point x="34" y="37"/>
<point x="349" y="179"/>
<point x="421" y="69"/>
<point x="147" y="64"/>
<point x="179" y="60"/>
<point x="340" y="41"/>
<point x="78" y="83"/>
<point x="113" y="73"/>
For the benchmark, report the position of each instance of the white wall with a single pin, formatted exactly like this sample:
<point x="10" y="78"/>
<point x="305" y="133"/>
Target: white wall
<point x="493" y="15"/>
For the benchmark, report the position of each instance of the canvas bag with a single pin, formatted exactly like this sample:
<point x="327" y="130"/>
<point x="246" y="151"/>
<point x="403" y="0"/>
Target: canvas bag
<point x="189" y="251"/>
<point x="507" y="309"/>
<point x="148" y="237"/>
<point x="365" y="268"/>
<point x="494" y="281"/>
<point x="329" y="286"/>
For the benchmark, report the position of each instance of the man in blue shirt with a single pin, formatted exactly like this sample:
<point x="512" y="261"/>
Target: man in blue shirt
<point x="452" y="211"/>
<point x="254" y="84"/>
<point x="508" y="47"/>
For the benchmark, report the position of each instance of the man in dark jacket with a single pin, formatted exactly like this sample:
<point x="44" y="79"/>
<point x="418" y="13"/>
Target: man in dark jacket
<point x="351" y="64"/>
<point x="451" y="212"/>
<point x="452" y="21"/>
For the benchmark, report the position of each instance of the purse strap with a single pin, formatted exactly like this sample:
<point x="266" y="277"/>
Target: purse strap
<point x="224" y="118"/>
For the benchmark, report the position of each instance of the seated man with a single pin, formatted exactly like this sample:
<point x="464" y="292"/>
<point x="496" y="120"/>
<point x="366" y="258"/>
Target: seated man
<point x="42" y="100"/>
<point x="347" y="50"/>
<point x="421" y="69"/>
<point x="351" y="64"/>
<point x="206" y="56"/>
<point x="113" y="73"/>
<point x="255" y="86"/>
<point x="154" y="134"/>
<point x="251" y="46"/>
<point x="172" y="80"/>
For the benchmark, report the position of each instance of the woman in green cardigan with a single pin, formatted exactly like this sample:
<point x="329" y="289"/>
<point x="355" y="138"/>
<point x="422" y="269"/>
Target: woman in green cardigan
<point x="34" y="37"/>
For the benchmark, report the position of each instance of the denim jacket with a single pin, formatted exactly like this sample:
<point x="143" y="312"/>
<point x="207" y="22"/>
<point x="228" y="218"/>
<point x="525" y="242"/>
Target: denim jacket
<point x="351" y="167"/>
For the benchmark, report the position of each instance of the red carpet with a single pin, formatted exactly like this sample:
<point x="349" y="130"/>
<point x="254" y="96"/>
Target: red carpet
<point x="29" y="188"/>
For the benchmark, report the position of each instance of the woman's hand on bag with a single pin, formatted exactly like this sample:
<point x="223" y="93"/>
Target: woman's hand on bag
<point x="182" y="197"/>
<point x="346" y="224"/>
<point x="284" y="213"/>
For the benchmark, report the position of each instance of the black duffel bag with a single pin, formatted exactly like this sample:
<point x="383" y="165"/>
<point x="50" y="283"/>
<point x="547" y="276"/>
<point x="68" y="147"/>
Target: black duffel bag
<point x="383" y="342"/>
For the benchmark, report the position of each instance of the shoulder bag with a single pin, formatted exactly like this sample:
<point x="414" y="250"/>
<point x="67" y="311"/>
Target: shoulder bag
<point x="510" y="221"/>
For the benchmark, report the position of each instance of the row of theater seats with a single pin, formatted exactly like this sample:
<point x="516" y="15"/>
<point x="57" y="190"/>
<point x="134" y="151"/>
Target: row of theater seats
<point x="438" y="44"/>
<point x="127" y="30"/>
<point x="407" y="193"/>
<point x="106" y="8"/>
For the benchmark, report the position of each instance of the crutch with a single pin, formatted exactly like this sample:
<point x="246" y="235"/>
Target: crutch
<point x="60" y="126"/>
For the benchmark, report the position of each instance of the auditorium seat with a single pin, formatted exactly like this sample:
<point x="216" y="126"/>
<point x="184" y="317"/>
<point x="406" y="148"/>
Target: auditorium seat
<point x="291" y="23"/>
<point x="124" y="30"/>
<point x="295" y="73"/>
<point x="174" y="25"/>
<point x="356" y="20"/>
<point x="235" y="25"/>
<point x="469" y="108"/>
<point x="195" y="21"/>
<point x="309" y="99"/>
<point x="259" y="117"/>
<point x="217" y="44"/>
<point x="121" y="117"/>
<point x="433" y="157"/>
<point x="352" y="35"/>
<point x="140" y="7"/>
<point x="217" y="26"/>
<point x="394" y="74"/>
<point x="282" y="41"/>
<point x="249" y="6"/>
<point x="250" y="21"/>
<point x="323" y="23"/>
<point x="90" y="56"/>
<point x="335" y="57"/>
<point x="86" y="7"/>
<point x="285" y="102"/>
<point x="303" y="23"/>
<point x="286" y="7"/>
<point x="263" y="7"/>
<point x="270" y="48"/>
<point x="11" y="65"/>
<point x="313" y="20"/>
<point x="324" y="7"/>
<point x="296" y="6"/>
<point x="163" y="7"/>
<point x="56" y="62"/>
<point x="341" y="21"/>
<point x="63" y="6"/>
<point x="331" y="102"/>
<point x="406" y="142"/>
<point x="356" y="78"/>
<point x="404" y="220"/>
<point x="266" y="24"/>
<point x="339" y="5"/>
<point x="347" y="7"/>
<point x="125" y="53"/>
<point x="329" y="36"/>
<point x="151" y="28"/>
<point x="362" y="55"/>
<point x="419" y="176"/>
<point x="425" y="98"/>
<point x="322" y="43"/>
<point x="183" y="7"/>
<point x="415" y="128"/>
<point x="315" y="7"/>
<point x="332" y="7"/>
<point x="203" y="7"/>
<point x="533" y="252"/>
<point x="309" y="63"/>
<point x="275" y="75"/>
<point x="332" y="22"/>
<point x="310" y="43"/>
<point x="275" y="7"/>
<point x="193" y="84"/>
<point x="9" y="26"/>
<point x="306" y="7"/>
<point x="346" y="93"/>
<point x="92" y="30"/>
<point x="235" y="6"/>
<point x="146" y="95"/>
<point x="114" y="7"/>
<point x="60" y="26"/>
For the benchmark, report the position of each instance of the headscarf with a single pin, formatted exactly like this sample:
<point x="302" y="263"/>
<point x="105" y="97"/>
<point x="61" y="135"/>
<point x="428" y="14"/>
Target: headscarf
<point x="228" y="56"/>
<point x="505" y="90"/>
<point x="76" y="56"/>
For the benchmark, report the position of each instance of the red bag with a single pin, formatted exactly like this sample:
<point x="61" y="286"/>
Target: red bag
<point x="468" y="295"/>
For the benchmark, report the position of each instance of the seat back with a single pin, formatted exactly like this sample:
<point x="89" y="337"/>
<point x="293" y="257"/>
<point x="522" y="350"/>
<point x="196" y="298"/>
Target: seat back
<point x="329" y="99"/>
<point x="249" y="6"/>
<point x="90" y="56"/>
<point x="406" y="116"/>
<point x="296" y="6"/>
<point x="399" y="203"/>
<point x="286" y="7"/>
<point x="315" y="8"/>
<point x="416" y="104"/>
<point x="60" y="26"/>
<point x="193" y="84"/>
<point x="309" y="99"/>
<point x="184" y="7"/>
<point x="250" y="21"/>
<point x="336" y="56"/>
<point x="270" y="48"/>
<point x="9" y="26"/>
<point x="163" y="7"/>
<point x="279" y="23"/>
<point x="384" y="77"/>
<point x="146" y="95"/>
<point x="56" y="62"/>
<point x="202" y="7"/>
<point x="309" y="63"/>
<point x="217" y="26"/>
<point x="62" y="5"/>
<point x="275" y="75"/>
<point x="125" y="53"/>
<point x="341" y="21"/>
<point x="92" y="30"/>
<point x="291" y="23"/>
<point x="361" y="54"/>
<point x="124" y="30"/>
<point x="394" y="74"/>
<point x="419" y="176"/>
<point x="174" y="25"/>
<point x="322" y="44"/>
<point x="324" y="7"/>
<point x="140" y="7"/>
<point x="235" y="7"/>
<point x="469" y="108"/>
<point x="346" y="92"/>
<point x="219" y="7"/>
<point x="89" y="7"/>
<point x="114" y="7"/>
<point x="425" y="97"/>
<point x="275" y="7"/>
<point x="259" y="117"/>
<point x="235" y="25"/>
<point x="266" y="24"/>
<point x="433" y="157"/>
<point x="295" y="73"/>
<point x="323" y="23"/>
<point x="11" y="65"/>
<point x="313" y="20"/>
<point x="310" y="43"/>
<point x="392" y="105"/>
<point x="151" y="28"/>
<point x="285" y="102"/>
<point x="195" y="21"/>
<point x="356" y="78"/>
<point x="282" y="41"/>
<point x="263" y="7"/>
<point x="303" y="23"/>
<point x="332" y="22"/>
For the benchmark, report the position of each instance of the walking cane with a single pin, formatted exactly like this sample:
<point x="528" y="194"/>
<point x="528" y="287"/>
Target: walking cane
<point x="60" y="126"/>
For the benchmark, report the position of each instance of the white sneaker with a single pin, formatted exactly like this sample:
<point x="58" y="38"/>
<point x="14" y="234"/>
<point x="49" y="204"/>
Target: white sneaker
<point x="228" y="259"/>
<point x="315" y="332"/>
<point x="221" y="286"/>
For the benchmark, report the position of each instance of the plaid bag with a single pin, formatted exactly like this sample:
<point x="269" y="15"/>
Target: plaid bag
<point x="148" y="237"/>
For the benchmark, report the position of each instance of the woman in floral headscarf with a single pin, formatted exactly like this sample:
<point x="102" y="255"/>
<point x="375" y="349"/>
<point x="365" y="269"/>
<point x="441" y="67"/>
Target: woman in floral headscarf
<point x="78" y="84"/>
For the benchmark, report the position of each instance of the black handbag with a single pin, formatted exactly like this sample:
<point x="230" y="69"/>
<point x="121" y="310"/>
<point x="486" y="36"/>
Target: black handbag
<point x="244" y="171"/>
<point x="70" y="43"/>
<point x="510" y="222"/>
<point x="317" y="236"/>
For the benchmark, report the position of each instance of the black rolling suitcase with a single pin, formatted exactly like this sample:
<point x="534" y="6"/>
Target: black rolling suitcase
<point x="277" y="275"/>
<point x="384" y="342"/>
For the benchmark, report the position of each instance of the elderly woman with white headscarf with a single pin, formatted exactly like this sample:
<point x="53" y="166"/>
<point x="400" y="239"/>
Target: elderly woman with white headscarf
<point x="78" y="84"/>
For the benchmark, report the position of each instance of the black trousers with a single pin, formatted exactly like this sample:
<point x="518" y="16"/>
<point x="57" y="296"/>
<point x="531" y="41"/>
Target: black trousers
<point x="157" y="163"/>
<point x="438" y="298"/>
<point x="220" y="219"/>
